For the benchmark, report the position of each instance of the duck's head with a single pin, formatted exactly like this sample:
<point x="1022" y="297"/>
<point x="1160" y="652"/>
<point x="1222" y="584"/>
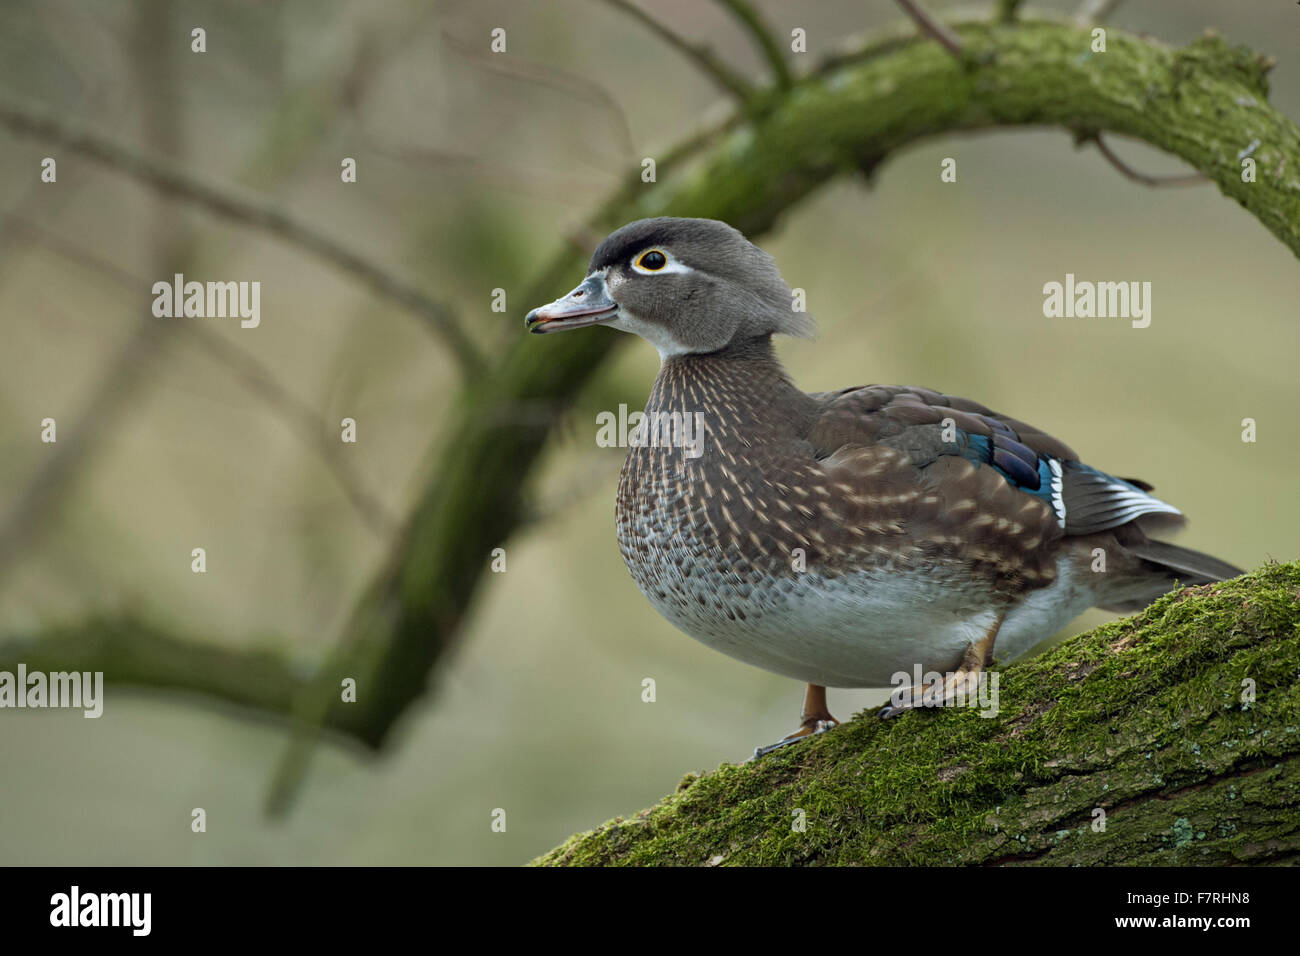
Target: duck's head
<point x="684" y="285"/>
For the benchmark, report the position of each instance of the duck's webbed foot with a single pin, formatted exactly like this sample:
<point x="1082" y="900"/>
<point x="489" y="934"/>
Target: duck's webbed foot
<point x="815" y="719"/>
<point x="961" y="683"/>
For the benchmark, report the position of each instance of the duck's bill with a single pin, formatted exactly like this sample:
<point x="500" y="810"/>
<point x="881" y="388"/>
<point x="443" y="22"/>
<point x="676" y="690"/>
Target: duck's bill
<point x="588" y="304"/>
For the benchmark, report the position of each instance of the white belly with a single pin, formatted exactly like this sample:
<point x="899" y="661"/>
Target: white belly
<point x="860" y="630"/>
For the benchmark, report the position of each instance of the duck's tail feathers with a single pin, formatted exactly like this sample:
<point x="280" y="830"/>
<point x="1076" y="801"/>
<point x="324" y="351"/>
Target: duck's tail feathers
<point x="1171" y="563"/>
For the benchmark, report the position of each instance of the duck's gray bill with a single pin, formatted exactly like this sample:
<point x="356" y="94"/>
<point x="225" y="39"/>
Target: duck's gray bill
<point x="588" y="304"/>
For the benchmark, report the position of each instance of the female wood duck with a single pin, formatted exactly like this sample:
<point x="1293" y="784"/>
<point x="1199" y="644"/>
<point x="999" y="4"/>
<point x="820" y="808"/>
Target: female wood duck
<point x="843" y="537"/>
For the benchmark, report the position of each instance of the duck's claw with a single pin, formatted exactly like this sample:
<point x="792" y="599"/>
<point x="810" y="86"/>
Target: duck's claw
<point x="805" y="731"/>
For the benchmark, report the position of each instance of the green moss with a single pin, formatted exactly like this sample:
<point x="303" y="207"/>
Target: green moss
<point x="1142" y="718"/>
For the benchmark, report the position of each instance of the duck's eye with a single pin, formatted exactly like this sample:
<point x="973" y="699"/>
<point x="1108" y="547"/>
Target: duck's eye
<point x="652" y="261"/>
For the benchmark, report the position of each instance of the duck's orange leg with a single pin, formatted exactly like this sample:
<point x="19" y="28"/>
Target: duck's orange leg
<point x="814" y="719"/>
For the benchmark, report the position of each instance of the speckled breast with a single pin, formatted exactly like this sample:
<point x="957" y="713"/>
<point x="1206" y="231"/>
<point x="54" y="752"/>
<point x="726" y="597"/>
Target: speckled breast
<point x="689" y="552"/>
<point x="755" y="588"/>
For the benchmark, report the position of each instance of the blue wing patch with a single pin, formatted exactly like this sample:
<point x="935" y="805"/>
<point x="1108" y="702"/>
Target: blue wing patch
<point x="1093" y="501"/>
<point x="1025" y="469"/>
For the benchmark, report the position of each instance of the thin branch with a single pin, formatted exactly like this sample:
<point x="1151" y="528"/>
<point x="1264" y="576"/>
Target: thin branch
<point x="928" y="24"/>
<point x="112" y="392"/>
<point x="1184" y="179"/>
<point x="64" y="459"/>
<point x="544" y="74"/>
<point x="506" y="176"/>
<point x="62" y="462"/>
<point x="763" y="38"/>
<point x="724" y="76"/>
<point x="261" y="381"/>
<point x="1095" y="11"/>
<point x="854" y="50"/>
<point x="27" y="120"/>
<point x="302" y="419"/>
<point x="580" y="485"/>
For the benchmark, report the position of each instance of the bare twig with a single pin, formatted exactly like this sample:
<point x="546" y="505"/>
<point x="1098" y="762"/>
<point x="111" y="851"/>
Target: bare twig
<point x="120" y="377"/>
<point x="1186" y="179"/>
<point x="763" y="38"/>
<point x="859" y="49"/>
<point x="112" y="391"/>
<point x="27" y="120"/>
<point x="261" y="381"/>
<point x="594" y="476"/>
<point x="62" y="463"/>
<point x="315" y="433"/>
<point x="928" y="24"/>
<point x="721" y="74"/>
<point x="544" y="74"/>
<point x="516" y="178"/>
<point x="1095" y="11"/>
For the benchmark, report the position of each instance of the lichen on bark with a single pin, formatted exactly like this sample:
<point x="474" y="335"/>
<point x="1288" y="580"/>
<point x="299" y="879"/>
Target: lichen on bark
<point x="1180" y="724"/>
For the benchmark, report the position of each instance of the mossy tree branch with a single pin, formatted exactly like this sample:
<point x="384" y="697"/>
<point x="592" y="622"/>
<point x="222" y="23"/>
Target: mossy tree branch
<point x="134" y="652"/>
<point x="1206" y="104"/>
<point x="1135" y="744"/>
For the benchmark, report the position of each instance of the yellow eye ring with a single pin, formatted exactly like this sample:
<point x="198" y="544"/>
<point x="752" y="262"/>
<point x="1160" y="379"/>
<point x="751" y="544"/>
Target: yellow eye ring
<point x="652" y="260"/>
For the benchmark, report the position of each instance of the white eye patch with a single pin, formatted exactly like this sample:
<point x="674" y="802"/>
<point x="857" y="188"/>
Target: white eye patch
<point x="671" y="263"/>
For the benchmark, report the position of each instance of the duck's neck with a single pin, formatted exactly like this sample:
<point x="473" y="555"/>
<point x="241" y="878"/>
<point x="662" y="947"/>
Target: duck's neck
<point x="741" y="388"/>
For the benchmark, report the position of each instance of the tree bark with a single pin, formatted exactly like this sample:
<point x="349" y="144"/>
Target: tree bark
<point x="1170" y="738"/>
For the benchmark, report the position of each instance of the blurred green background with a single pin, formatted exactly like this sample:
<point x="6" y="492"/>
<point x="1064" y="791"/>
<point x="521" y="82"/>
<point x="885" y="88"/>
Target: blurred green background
<point x="472" y="169"/>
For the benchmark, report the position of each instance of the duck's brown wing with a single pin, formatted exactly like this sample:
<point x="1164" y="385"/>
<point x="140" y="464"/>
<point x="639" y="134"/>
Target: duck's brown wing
<point x="932" y="428"/>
